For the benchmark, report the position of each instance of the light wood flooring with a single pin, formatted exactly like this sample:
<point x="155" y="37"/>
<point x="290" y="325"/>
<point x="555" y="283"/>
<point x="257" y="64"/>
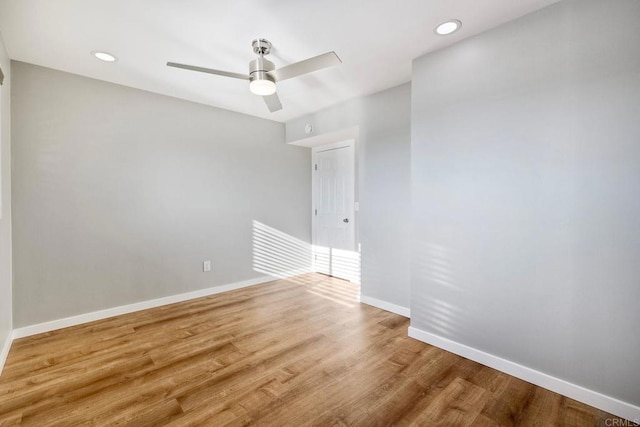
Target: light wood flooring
<point x="292" y="352"/>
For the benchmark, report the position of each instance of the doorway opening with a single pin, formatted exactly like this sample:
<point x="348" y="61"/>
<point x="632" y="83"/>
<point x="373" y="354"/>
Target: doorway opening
<point x="334" y="208"/>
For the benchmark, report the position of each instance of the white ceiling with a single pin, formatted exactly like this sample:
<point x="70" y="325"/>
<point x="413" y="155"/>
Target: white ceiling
<point x="376" y="40"/>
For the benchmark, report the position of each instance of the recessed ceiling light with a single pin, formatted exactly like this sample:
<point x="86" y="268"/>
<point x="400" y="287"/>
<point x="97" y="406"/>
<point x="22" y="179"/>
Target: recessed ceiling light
<point x="448" y="27"/>
<point x="104" y="56"/>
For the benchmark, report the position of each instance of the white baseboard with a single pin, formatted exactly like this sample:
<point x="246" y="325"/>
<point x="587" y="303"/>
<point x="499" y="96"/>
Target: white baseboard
<point x="394" y="308"/>
<point x="581" y="394"/>
<point x="4" y="351"/>
<point x="130" y="308"/>
<point x="287" y="274"/>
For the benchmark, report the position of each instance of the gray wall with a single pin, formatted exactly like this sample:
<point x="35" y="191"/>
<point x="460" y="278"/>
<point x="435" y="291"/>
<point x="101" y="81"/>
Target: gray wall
<point x="5" y="203"/>
<point x="526" y="193"/>
<point x="383" y="151"/>
<point x="120" y="194"/>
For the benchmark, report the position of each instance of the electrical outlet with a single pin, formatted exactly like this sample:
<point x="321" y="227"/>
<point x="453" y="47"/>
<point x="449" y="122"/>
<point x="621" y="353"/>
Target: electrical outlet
<point x="206" y="266"/>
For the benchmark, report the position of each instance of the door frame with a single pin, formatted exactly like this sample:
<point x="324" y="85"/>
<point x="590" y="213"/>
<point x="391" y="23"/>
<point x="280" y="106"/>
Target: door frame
<point x="314" y="155"/>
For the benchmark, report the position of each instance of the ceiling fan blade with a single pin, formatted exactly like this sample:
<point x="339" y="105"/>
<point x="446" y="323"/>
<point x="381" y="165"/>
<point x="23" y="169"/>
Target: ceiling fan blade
<point x="209" y="70"/>
<point x="273" y="102"/>
<point x="310" y="65"/>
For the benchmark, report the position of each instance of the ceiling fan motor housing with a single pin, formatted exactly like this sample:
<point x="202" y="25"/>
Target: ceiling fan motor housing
<point x="259" y="67"/>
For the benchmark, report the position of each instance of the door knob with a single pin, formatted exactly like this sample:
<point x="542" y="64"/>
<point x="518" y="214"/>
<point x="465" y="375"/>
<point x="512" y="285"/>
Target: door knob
<point x="346" y="220"/>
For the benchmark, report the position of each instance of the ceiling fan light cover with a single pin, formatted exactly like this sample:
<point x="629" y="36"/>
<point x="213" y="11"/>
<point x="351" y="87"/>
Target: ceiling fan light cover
<point x="262" y="87"/>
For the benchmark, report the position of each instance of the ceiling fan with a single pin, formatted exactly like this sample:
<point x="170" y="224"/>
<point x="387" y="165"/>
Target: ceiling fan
<point x="263" y="75"/>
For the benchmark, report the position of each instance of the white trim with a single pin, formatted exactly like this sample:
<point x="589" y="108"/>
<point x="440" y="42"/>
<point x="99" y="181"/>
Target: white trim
<point x="574" y="391"/>
<point x="4" y="352"/>
<point x="293" y="273"/>
<point x="284" y="275"/>
<point x="384" y="305"/>
<point x="334" y="145"/>
<point x="130" y="308"/>
<point x="328" y="138"/>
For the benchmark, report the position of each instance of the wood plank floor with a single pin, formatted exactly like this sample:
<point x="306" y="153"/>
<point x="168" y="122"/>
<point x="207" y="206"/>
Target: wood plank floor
<point x="293" y="352"/>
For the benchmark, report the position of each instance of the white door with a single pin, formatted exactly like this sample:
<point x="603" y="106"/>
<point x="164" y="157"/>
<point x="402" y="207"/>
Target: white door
<point x="334" y="219"/>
